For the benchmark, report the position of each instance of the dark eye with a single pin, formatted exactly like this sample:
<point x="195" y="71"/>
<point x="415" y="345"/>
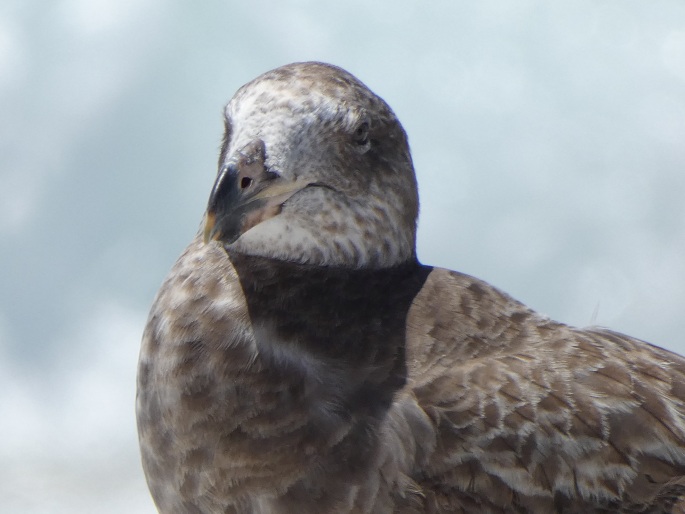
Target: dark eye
<point x="361" y="134"/>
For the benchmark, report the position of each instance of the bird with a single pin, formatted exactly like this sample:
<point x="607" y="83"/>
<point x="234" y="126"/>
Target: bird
<point x="298" y="358"/>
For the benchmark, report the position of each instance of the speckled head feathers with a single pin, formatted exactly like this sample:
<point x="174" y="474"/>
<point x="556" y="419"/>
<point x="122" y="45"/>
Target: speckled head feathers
<point x="341" y="154"/>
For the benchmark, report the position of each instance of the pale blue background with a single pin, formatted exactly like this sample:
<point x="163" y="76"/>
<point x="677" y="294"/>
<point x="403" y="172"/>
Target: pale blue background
<point x="548" y="137"/>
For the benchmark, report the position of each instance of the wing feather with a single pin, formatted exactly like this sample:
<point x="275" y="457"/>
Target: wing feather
<point x="541" y="413"/>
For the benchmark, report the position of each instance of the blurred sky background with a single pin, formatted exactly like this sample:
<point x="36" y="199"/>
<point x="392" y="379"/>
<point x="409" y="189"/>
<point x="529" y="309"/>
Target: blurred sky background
<point x="548" y="138"/>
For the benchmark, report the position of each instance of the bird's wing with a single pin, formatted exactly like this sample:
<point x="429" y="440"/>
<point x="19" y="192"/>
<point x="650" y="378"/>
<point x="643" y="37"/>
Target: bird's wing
<point x="534" y="414"/>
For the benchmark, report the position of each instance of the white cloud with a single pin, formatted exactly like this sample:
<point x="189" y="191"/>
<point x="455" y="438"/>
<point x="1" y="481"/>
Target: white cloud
<point x="93" y="17"/>
<point x="12" y="53"/>
<point x="673" y="53"/>
<point x="17" y="203"/>
<point x="68" y="440"/>
<point x="57" y="79"/>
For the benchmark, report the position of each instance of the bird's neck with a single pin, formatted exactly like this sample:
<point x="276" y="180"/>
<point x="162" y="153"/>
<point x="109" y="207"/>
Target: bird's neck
<point x="333" y="319"/>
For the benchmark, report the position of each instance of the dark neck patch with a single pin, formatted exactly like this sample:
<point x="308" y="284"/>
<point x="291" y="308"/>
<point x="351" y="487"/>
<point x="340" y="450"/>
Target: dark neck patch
<point x="352" y="321"/>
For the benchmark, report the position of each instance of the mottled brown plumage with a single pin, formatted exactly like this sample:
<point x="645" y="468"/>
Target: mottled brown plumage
<point x="301" y="360"/>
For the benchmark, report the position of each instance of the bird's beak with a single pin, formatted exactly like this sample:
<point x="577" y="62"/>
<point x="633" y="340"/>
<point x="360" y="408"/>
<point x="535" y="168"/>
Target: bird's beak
<point x="245" y="194"/>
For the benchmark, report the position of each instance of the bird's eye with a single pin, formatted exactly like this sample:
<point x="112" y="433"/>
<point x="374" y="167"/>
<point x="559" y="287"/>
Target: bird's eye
<point x="361" y="134"/>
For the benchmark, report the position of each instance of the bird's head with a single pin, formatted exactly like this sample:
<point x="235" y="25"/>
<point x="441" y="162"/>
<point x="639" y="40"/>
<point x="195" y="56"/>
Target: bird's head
<point x="314" y="168"/>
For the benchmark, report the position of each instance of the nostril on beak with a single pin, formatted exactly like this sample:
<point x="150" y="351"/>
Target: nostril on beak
<point x="245" y="182"/>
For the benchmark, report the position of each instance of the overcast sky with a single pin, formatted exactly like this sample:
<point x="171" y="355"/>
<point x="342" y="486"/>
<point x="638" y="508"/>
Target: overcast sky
<point x="548" y="138"/>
